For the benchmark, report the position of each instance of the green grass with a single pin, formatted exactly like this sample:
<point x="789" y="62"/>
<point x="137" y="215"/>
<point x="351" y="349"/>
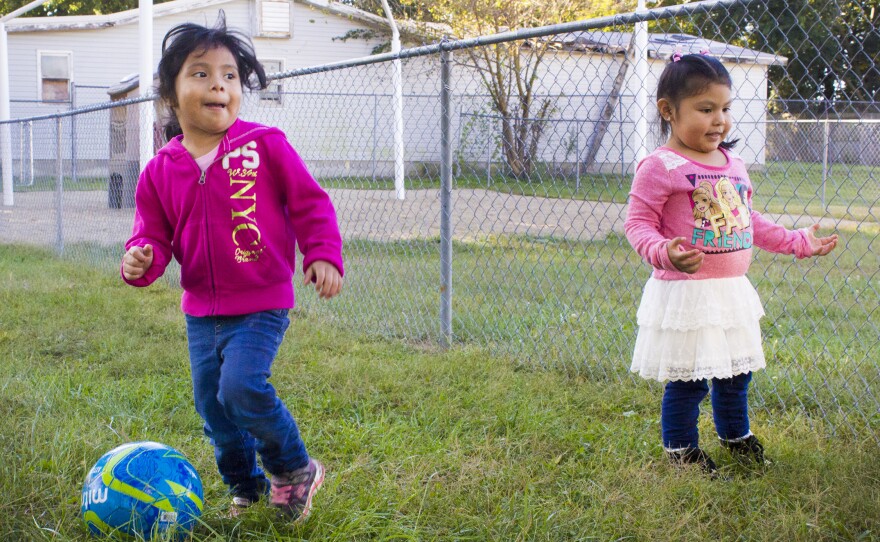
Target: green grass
<point x="850" y="192"/>
<point x="48" y="184"/>
<point x="570" y="306"/>
<point x="420" y="444"/>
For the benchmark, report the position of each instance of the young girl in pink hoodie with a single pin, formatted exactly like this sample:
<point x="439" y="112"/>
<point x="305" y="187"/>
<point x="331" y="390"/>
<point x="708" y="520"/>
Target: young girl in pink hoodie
<point x="698" y="318"/>
<point x="229" y="200"/>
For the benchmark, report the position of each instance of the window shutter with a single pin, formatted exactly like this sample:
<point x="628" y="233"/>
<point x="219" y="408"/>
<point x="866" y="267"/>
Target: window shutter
<point x="55" y="66"/>
<point x="274" y="18"/>
<point x="55" y="76"/>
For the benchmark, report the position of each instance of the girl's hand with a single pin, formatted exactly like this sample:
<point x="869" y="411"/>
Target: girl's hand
<point x="328" y="281"/>
<point x="686" y="261"/>
<point x="136" y="262"/>
<point x="820" y="245"/>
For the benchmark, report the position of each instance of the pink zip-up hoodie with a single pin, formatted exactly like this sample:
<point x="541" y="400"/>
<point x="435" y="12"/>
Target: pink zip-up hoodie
<point x="234" y="228"/>
<point x="711" y="207"/>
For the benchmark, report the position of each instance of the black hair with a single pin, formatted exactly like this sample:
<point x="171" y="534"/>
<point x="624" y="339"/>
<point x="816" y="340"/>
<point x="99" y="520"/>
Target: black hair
<point x="183" y="40"/>
<point x="689" y="75"/>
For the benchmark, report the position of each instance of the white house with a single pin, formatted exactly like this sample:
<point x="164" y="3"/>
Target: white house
<point x="341" y="120"/>
<point x="78" y="57"/>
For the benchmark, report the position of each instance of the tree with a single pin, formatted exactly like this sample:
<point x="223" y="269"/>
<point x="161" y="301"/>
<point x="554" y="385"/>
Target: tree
<point x="832" y="46"/>
<point x="415" y="10"/>
<point x="75" y="7"/>
<point x="509" y="71"/>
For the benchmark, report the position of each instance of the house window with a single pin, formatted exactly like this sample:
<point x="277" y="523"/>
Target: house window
<point x="273" y="92"/>
<point x="273" y="18"/>
<point x="55" y="72"/>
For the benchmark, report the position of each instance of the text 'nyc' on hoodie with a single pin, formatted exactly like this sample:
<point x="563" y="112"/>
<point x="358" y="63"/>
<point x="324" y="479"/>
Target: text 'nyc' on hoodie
<point x="234" y="227"/>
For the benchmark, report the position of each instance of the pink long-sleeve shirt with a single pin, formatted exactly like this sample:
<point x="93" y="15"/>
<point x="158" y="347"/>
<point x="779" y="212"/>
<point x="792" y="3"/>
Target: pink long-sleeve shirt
<point x="710" y="207"/>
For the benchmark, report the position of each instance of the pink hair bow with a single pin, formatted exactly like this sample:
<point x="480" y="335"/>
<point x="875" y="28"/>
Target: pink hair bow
<point x="676" y="57"/>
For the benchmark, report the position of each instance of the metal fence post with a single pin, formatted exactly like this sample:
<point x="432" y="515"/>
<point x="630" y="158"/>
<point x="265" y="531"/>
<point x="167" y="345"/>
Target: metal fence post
<point x="577" y="163"/>
<point x="489" y="162"/>
<point x="375" y="131"/>
<point x="30" y="126"/>
<point x="59" y="191"/>
<point x="21" y="151"/>
<point x="445" y="199"/>
<point x="73" y="175"/>
<point x="825" y="144"/>
<point x="456" y="170"/>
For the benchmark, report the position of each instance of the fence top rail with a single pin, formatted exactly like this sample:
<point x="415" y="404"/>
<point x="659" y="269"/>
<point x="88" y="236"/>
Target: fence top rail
<point x="82" y="110"/>
<point x="826" y="121"/>
<point x="445" y="44"/>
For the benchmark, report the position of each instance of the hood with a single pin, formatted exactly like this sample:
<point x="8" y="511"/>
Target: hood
<point x="238" y="134"/>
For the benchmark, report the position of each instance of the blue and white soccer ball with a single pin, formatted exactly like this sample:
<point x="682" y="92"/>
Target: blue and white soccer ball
<point x="144" y="489"/>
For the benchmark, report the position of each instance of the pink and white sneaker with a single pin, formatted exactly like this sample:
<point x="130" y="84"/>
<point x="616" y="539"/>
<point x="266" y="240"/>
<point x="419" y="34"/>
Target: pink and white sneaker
<point x="292" y="491"/>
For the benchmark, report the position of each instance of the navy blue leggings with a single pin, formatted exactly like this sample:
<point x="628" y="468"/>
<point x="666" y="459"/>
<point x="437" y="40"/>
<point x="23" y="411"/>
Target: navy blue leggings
<point x="681" y="408"/>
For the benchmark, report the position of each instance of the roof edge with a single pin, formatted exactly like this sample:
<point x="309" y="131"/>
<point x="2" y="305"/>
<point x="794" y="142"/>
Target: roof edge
<point x="409" y="29"/>
<point x="89" y="22"/>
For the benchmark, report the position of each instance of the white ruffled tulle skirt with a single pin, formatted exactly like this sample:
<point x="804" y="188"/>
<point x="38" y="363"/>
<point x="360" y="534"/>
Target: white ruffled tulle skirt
<point x="696" y="329"/>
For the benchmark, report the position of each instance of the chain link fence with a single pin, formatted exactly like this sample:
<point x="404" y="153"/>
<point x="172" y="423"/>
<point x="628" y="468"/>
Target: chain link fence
<point x="509" y="230"/>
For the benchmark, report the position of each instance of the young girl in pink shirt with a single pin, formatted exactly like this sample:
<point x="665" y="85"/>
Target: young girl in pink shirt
<point x="698" y="317"/>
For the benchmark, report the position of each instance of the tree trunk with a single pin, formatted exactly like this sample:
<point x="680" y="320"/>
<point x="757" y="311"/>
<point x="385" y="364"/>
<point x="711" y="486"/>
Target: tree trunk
<point x="611" y="101"/>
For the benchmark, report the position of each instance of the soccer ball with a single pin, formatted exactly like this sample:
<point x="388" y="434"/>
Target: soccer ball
<point x="142" y="489"/>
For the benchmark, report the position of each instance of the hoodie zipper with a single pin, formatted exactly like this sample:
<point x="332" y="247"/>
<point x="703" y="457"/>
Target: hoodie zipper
<point x="202" y="179"/>
<point x="208" y="237"/>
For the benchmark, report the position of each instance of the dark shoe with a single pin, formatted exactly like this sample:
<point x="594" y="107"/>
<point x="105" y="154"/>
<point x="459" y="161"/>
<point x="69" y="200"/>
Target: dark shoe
<point x="694" y="456"/>
<point x="242" y="499"/>
<point x="292" y="492"/>
<point x="749" y="449"/>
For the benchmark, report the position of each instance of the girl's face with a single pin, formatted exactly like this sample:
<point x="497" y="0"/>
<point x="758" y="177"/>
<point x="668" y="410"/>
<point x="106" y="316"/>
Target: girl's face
<point x="208" y="93"/>
<point x="700" y="122"/>
<point x="728" y="193"/>
<point x="701" y="202"/>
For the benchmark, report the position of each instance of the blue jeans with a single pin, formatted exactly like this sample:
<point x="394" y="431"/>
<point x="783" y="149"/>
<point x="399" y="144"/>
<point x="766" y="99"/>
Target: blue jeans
<point x="681" y="408"/>
<point x="231" y="357"/>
